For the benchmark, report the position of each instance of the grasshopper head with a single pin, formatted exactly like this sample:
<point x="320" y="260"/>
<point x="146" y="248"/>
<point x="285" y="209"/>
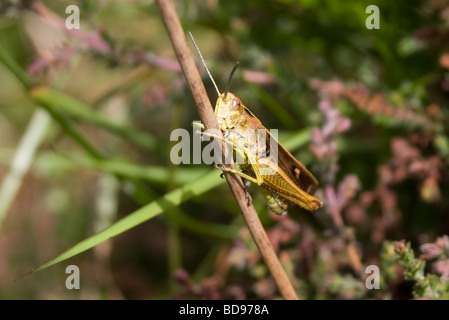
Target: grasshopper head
<point x="228" y="110"/>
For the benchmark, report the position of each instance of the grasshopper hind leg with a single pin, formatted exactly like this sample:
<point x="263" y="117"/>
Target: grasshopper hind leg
<point x="276" y="203"/>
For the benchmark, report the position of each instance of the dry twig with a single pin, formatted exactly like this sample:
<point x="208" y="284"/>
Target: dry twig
<point x="207" y="115"/>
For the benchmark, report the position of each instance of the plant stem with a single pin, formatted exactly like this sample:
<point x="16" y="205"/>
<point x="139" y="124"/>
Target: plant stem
<point x="14" y="67"/>
<point x="207" y="115"/>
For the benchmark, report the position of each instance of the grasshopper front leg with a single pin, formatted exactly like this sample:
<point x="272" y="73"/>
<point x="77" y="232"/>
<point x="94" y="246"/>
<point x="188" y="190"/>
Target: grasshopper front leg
<point x="243" y="154"/>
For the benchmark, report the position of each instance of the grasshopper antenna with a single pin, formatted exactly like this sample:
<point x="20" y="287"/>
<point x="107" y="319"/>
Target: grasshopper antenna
<point x="204" y="63"/>
<point x="230" y="78"/>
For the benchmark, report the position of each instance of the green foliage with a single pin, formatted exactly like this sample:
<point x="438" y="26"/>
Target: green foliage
<point x="365" y="110"/>
<point x="426" y="285"/>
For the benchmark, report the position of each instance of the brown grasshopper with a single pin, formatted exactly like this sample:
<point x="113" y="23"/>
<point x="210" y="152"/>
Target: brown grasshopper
<point x="283" y="180"/>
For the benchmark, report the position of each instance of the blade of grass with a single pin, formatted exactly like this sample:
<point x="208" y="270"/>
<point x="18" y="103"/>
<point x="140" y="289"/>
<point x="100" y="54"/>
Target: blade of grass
<point x="51" y="99"/>
<point x="17" y="70"/>
<point x="160" y="175"/>
<point x="73" y="132"/>
<point x="155" y="174"/>
<point x="141" y="193"/>
<point x="298" y="139"/>
<point x="22" y="159"/>
<point x="168" y="201"/>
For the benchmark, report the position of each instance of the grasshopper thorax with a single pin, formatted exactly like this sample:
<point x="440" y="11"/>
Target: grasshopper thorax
<point x="228" y="110"/>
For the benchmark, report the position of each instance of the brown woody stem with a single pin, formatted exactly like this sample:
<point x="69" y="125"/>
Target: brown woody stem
<point x="207" y="115"/>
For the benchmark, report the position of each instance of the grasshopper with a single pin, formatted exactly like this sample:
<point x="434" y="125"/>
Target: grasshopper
<point x="281" y="182"/>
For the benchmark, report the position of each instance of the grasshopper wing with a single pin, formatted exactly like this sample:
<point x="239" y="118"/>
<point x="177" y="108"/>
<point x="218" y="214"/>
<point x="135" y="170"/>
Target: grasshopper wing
<point x="294" y="169"/>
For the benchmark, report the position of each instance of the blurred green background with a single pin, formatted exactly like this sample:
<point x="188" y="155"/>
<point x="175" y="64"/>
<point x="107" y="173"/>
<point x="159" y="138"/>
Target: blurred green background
<point x="85" y="123"/>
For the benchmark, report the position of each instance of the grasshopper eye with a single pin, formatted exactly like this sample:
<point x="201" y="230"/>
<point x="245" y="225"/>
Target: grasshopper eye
<point x="235" y="104"/>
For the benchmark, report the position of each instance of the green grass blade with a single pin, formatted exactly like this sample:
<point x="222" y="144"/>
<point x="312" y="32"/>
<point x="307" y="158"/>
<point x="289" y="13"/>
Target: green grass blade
<point x="170" y="200"/>
<point x="298" y="139"/>
<point x="15" y="68"/>
<point x="59" y="101"/>
<point x="22" y="159"/>
<point x="155" y="174"/>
